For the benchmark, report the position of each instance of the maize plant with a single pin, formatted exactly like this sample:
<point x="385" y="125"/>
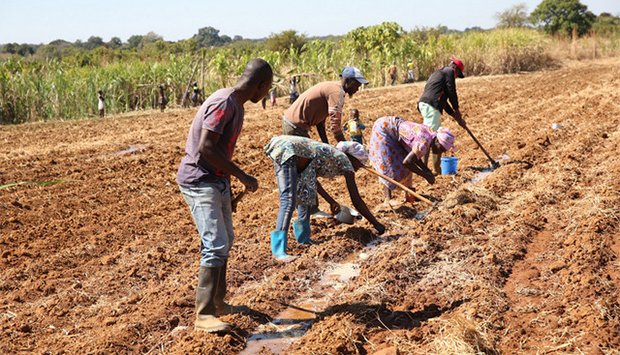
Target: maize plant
<point x="34" y="90"/>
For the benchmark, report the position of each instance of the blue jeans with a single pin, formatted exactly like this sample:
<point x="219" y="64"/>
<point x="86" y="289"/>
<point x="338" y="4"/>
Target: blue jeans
<point x="210" y="206"/>
<point x="286" y="176"/>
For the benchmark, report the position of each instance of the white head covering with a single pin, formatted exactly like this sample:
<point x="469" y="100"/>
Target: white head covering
<point x="354" y="149"/>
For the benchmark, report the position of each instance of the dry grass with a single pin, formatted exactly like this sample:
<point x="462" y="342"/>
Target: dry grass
<point x="589" y="47"/>
<point x="462" y="335"/>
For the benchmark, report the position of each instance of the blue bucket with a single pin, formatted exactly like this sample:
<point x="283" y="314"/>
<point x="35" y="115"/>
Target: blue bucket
<point x="448" y="165"/>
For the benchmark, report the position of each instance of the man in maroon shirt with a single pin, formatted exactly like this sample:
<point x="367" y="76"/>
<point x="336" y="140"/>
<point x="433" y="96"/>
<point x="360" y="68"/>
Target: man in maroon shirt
<point x="204" y="181"/>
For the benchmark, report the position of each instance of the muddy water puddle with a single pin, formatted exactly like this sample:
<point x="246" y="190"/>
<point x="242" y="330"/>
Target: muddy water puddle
<point x="294" y="321"/>
<point x="483" y="173"/>
<point x="131" y="149"/>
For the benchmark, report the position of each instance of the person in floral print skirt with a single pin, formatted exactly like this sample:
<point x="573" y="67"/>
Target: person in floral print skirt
<point x="399" y="147"/>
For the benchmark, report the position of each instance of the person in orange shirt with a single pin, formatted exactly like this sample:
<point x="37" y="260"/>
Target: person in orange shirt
<point x="316" y="104"/>
<point x="321" y="101"/>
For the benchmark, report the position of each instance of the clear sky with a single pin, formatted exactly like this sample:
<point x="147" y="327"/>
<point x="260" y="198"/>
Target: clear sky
<point x="42" y="21"/>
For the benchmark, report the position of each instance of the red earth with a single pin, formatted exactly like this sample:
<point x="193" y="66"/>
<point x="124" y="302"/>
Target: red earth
<point x="101" y="255"/>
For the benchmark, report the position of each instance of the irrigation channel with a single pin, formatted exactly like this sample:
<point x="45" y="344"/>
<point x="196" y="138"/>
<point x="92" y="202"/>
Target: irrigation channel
<point x="294" y="321"/>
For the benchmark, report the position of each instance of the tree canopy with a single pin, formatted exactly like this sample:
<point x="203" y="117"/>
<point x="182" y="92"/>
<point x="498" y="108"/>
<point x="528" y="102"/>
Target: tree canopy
<point x="606" y="24"/>
<point x="560" y="16"/>
<point x="285" y="40"/>
<point x="515" y="16"/>
<point x="209" y="36"/>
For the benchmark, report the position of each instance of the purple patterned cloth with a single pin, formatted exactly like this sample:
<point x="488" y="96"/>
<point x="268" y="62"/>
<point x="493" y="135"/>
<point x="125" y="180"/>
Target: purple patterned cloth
<point x="392" y="138"/>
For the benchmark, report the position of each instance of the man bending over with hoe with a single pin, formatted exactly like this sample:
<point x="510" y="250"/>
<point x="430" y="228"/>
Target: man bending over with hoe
<point x="204" y="181"/>
<point x="441" y="88"/>
<point x="321" y="101"/>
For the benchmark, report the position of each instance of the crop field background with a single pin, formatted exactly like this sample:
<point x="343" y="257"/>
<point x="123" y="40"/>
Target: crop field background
<point x="50" y="89"/>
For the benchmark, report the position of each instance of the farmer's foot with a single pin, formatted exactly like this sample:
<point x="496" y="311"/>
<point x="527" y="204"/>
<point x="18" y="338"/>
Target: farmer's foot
<point x="409" y="198"/>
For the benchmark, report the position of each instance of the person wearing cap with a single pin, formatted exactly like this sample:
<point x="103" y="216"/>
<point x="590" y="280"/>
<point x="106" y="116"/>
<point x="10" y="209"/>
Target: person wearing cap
<point x="398" y="147"/>
<point x="321" y="101"/>
<point x="316" y="104"/>
<point x="298" y="161"/>
<point x="439" y="95"/>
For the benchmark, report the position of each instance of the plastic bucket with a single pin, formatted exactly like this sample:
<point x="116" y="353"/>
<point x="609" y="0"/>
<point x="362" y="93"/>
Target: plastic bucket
<point x="448" y="165"/>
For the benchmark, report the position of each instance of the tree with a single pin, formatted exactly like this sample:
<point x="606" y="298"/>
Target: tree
<point x="151" y="37"/>
<point x="25" y="49"/>
<point x="606" y="24"/>
<point x="515" y="16"/>
<point x="284" y="40"/>
<point x="134" y="41"/>
<point x="209" y="36"/>
<point x="114" y="43"/>
<point x="10" y="48"/>
<point x="49" y="51"/>
<point x="560" y="16"/>
<point x="93" y="42"/>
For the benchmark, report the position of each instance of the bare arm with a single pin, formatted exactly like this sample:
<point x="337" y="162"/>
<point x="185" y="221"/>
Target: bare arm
<point x="333" y="204"/>
<point x="418" y="167"/>
<point x="321" y="129"/>
<point x="359" y="204"/>
<point x="209" y="153"/>
<point x="336" y="122"/>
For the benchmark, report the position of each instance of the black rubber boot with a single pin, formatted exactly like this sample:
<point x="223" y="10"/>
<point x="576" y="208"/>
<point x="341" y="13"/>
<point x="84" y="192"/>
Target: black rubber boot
<point x="221" y="307"/>
<point x="205" y="302"/>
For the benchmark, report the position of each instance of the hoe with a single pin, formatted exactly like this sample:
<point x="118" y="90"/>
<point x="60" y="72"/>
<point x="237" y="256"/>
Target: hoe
<point x="494" y="164"/>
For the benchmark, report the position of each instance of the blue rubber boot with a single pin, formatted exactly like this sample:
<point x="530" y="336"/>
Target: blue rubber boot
<point x="278" y="246"/>
<point x="301" y="229"/>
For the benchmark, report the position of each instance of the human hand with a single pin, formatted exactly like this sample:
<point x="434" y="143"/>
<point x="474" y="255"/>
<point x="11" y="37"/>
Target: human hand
<point x="250" y="183"/>
<point x="335" y="208"/>
<point x="379" y="227"/>
<point x="429" y="177"/>
<point x="459" y="119"/>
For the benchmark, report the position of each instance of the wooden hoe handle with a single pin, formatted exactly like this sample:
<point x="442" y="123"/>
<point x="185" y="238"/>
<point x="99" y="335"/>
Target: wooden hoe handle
<point x="408" y="190"/>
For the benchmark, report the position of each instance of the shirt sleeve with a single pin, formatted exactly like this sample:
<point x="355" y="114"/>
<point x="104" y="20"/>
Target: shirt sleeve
<point x="217" y="117"/>
<point x="451" y="92"/>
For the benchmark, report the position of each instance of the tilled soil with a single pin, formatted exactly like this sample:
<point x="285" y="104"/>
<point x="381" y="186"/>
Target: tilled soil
<point x="103" y="257"/>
